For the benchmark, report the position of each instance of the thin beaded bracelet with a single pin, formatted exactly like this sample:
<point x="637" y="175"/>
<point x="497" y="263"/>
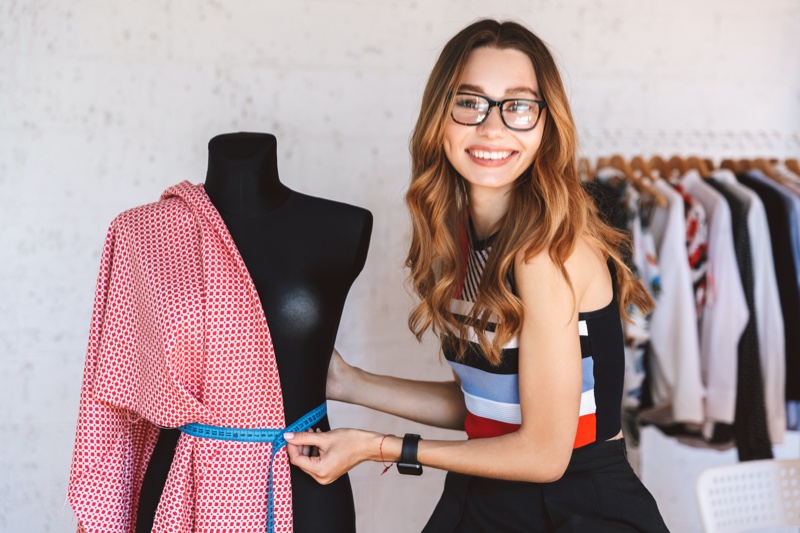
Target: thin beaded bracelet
<point x="380" y="447"/>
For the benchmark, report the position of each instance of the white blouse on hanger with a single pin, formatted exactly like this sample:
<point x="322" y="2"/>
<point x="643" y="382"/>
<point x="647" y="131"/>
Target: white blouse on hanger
<point x="725" y="314"/>
<point x="676" y="383"/>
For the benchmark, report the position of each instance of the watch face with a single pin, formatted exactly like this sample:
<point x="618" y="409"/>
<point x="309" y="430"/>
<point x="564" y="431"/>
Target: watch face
<point x="410" y="469"/>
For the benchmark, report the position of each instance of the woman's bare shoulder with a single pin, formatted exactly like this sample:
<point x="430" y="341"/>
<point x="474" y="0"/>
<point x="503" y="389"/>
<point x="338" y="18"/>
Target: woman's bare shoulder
<point x="586" y="266"/>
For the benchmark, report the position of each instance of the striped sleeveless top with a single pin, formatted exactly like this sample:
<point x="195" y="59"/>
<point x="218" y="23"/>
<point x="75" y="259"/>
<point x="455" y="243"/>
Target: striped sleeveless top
<point x="491" y="393"/>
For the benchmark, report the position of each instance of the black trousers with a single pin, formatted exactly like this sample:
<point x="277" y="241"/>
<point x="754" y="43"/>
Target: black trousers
<point x="598" y="493"/>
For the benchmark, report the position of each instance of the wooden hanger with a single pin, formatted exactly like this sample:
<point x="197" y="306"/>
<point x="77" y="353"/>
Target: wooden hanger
<point x="699" y="165"/>
<point x="710" y="163"/>
<point x="639" y="164"/>
<point x="790" y="177"/>
<point x="619" y="162"/>
<point x="585" y="172"/>
<point x="604" y="162"/>
<point x="793" y="165"/>
<point x="657" y="162"/>
<point x="745" y="165"/>
<point x="676" y="162"/>
<point x="731" y="165"/>
<point x="766" y="167"/>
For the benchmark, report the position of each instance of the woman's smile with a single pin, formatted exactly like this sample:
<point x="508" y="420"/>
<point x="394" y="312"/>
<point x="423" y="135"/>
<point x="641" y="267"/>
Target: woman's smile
<point x="490" y="157"/>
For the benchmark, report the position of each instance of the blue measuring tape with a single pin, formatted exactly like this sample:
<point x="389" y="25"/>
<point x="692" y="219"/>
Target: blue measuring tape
<point x="273" y="436"/>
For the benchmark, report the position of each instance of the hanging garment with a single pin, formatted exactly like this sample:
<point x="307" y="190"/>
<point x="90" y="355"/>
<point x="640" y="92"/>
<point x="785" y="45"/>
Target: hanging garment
<point x="608" y="190"/>
<point x="645" y="268"/>
<point x="674" y="373"/>
<point x="793" y="415"/>
<point x="621" y="206"/>
<point x="769" y="321"/>
<point x="790" y="178"/>
<point x="178" y="336"/>
<point x="750" y="425"/>
<point x="783" y="216"/>
<point x="696" y="245"/>
<point x="725" y="314"/>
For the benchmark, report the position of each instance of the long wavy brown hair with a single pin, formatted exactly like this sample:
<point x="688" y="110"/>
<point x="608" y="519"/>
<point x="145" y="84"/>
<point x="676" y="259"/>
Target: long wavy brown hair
<point x="548" y="209"/>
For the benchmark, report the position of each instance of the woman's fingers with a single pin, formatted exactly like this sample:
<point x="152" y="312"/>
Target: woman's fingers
<point x="302" y="445"/>
<point x="336" y="453"/>
<point x="309" y="465"/>
<point x="306" y="442"/>
<point x="313" y="451"/>
<point x="306" y="449"/>
<point x="307" y="438"/>
<point x="299" y="451"/>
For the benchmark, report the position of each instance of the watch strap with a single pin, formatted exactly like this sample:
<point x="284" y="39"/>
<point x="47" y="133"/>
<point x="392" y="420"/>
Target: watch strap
<point x="408" y="463"/>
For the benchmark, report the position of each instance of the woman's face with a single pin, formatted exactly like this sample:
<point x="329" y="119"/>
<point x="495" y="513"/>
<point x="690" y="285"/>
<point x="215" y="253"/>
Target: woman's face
<point x="491" y="156"/>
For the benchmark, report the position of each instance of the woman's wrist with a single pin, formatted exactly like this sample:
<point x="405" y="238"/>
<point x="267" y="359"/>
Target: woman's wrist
<point x="383" y="448"/>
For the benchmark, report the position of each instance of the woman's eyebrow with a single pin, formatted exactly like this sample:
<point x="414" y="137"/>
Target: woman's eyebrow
<point x="514" y="90"/>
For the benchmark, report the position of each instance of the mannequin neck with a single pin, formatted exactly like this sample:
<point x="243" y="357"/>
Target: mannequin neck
<point x="242" y="178"/>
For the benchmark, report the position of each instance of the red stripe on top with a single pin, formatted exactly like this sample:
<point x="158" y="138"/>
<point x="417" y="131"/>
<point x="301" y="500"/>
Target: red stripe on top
<point x="478" y="427"/>
<point x="587" y="430"/>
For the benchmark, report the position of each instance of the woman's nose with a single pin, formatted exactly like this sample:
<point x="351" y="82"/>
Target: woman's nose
<point x="493" y="124"/>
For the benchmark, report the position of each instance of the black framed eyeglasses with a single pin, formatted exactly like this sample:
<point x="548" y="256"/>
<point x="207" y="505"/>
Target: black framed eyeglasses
<point x="518" y="114"/>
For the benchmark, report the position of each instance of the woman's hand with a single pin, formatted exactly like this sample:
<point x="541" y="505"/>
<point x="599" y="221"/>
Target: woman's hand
<point x="310" y="450"/>
<point x="340" y="377"/>
<point x="339" y="451"/>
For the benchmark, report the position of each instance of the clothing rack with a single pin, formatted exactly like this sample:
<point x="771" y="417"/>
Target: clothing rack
<point x="642" y="172"/>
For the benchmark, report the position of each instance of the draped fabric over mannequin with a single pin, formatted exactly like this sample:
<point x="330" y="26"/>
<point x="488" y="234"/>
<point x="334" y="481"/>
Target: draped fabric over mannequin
<point x="174" y="302"/>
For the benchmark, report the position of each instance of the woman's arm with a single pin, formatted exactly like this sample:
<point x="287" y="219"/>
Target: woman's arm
<point x="550" y="389"/>
<point x="435" y="403"/>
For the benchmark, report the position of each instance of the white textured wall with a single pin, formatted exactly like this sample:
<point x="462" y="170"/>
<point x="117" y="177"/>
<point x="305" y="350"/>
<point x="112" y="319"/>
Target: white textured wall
<point x="105" y="104"/>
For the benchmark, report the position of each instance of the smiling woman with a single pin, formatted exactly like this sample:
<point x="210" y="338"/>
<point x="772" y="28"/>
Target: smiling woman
<point x="525" y="286"/>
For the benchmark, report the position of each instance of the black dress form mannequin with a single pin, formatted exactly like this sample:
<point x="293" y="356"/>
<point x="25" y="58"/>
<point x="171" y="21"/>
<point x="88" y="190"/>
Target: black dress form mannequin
<point x="303" y="253"/>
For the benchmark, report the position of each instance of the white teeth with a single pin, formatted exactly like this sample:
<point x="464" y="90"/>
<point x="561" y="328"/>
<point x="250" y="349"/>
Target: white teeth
<point x="481" y="154"/>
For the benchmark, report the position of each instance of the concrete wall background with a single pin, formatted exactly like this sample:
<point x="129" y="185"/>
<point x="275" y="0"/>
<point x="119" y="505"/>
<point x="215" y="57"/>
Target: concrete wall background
<point x="105" y="104"/>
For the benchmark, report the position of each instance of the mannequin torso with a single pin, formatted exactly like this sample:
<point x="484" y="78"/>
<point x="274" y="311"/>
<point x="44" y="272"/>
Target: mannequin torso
<point x="303" y="253"/>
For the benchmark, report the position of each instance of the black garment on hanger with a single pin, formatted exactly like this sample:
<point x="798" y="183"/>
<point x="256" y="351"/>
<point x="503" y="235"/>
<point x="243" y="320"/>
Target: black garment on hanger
<point x="778" y="209"/>
<point x="750" y="426"/>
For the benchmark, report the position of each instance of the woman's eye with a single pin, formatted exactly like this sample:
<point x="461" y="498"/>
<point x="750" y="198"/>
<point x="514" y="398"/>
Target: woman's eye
<point x="519" y="106"/>
<point x="468" y="103"/>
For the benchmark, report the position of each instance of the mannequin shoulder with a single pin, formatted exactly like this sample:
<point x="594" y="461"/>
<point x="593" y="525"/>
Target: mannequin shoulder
<point x="330" y="216"/>
<point x="333" y="209"/>
<point x="345" y="226"/>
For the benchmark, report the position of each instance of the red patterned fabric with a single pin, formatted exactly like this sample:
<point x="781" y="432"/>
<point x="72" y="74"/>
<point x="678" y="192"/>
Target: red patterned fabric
<point x="178" y="335"/>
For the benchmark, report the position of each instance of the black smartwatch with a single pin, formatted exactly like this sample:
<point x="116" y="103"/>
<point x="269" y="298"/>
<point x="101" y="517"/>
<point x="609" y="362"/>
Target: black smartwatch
<point x="408" y="463"/>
